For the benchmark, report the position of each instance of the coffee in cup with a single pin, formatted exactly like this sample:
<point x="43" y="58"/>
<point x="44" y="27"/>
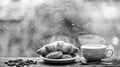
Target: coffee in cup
<point x="95" y="52"/>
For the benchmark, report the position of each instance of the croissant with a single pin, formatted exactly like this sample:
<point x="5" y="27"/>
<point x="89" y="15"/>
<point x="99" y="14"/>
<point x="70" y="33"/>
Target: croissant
<point x="65" y="56"/>
<point x="50" y="47"/>
<point x="54" y="55"/>
<point x="47" y="49"/>
<point x="74" y="49"/>
<point x="42" y="51"/>
<point x="59" y="45"/>
<point x="67" y="48"/>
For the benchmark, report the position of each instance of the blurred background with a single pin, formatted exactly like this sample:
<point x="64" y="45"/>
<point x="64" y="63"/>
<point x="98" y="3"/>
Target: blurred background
<point x="27" y="25"/>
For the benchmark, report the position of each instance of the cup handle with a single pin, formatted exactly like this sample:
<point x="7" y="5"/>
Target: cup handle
<point x="107" y="50"/>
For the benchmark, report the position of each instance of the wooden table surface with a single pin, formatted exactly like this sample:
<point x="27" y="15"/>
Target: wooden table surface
<point x="41" y="63"/>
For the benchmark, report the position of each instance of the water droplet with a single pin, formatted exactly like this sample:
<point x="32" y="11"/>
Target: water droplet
<point x="73" y="24"/>
<point x="115" y="41"/>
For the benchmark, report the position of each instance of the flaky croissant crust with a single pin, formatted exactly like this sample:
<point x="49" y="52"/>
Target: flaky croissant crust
<point x="62" y="46"/>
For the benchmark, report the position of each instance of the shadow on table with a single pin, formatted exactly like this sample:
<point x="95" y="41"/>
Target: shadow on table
<point x="56" y="64"/>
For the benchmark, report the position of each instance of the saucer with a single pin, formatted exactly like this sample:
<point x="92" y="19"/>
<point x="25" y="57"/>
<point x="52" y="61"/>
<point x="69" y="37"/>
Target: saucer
<point x="60" y="61"/>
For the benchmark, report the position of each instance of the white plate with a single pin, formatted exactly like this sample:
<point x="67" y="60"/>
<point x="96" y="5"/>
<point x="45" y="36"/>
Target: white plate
<point x="59" y="60"/>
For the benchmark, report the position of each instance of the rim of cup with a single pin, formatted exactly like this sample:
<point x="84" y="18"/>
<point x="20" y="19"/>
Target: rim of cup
<point x="89" y="36"/>
<point x="93" y="46"/>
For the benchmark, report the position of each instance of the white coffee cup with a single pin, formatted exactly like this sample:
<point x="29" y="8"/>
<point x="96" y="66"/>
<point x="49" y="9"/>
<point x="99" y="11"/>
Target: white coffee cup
<point x="95" y="52"/>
